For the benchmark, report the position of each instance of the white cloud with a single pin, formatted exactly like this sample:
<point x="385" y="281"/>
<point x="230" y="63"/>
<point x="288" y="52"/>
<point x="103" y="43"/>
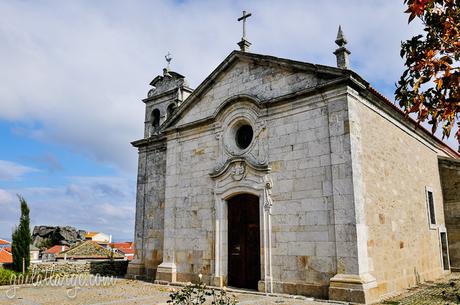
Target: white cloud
<point x="81" y="68"/>
<point x="104" y="204"/>
<point x="74" y="73"/>
<point x="5" y="198"/>
<point x="10" y="171"/>
<point x="47" y="160"/>
<point x="8" y="216"/>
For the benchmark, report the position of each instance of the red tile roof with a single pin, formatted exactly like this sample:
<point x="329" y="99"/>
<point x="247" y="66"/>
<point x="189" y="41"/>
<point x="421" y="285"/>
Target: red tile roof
<point x="5" y="257"/>
<point x="4" y="242"/>
<point x="56" y="249"/>
<point x="7" y="249"/>
<point x="126" y="250"/>
<point x="122" y="245"/>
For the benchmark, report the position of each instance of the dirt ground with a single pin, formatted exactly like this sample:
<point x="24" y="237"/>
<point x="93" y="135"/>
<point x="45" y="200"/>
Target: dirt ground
<point x="442" y="292"/>
<point x="123" y="292"/>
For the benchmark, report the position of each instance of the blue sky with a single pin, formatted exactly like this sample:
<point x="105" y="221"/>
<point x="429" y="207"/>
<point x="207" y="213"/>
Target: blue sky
<point x="73" y="74"/>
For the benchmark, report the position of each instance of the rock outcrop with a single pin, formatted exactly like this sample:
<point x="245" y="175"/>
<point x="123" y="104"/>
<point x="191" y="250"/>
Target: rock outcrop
<point x="47" y="236"/>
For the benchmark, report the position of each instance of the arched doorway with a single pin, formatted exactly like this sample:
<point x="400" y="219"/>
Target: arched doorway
<point x="243" y="241"/>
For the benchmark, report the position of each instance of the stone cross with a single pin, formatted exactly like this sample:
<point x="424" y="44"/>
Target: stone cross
<point x="244" y="44"/>
<point x="244" y="17"/>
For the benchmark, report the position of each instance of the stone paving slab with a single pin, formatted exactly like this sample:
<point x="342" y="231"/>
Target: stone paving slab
<point x="127" y="292"/>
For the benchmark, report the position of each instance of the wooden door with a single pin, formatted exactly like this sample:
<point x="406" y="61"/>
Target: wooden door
<point x="243" y="241"/>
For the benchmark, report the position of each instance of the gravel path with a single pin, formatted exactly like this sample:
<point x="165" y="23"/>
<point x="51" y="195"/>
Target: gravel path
<point x="125" y="292"/>
<point x="128" y="292"/>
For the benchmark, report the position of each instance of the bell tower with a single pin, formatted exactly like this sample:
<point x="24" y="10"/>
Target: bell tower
<point x="166" y="95"/>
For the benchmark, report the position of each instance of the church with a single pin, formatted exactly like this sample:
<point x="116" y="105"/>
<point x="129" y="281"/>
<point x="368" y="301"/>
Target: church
<point x="290" y="177"/>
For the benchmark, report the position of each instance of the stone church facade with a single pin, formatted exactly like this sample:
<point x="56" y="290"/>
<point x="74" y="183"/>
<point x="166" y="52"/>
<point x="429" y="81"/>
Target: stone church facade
<point x="290" y="177"/>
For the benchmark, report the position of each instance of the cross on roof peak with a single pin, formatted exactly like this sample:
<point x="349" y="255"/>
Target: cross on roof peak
<point x="244" y="44"/>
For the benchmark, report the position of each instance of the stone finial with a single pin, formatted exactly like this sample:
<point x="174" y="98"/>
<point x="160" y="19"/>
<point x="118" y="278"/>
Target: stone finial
<point x="166" y="72"/>
<point x="244" y="45"/>
<point x="342" y="52"/>
<point x="341" y="41"/>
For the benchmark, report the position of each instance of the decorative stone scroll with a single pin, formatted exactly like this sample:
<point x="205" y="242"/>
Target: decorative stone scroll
<point x="243" y="113"/>
<point x="268" y="201"/>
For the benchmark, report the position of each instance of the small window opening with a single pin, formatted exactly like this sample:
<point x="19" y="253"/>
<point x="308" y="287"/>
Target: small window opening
<point x="244" y="136"/>
<point x="431" y="209"/>
<point x="444" y="248"/>
<point x="156" y="118"/>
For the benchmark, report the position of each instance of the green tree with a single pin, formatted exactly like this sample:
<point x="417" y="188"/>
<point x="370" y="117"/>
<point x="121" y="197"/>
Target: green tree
<point x="430" y="85"/>
<point x="21" y="239"/>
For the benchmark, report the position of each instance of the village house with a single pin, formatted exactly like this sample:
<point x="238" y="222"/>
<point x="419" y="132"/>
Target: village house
<point x="6" y="254"/>
<point x="291" y="177"/>
<point x="98" y="237"/>
<point x="124" y="248"/>
<point x="49" y="255"/>
<point x="34" y="254"/>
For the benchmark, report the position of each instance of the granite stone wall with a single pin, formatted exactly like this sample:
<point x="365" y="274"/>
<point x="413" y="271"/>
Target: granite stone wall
<point x="397" y="168"/>
<point x="150" y="202"/>
<point x="105" y="268"/>
<point x="304" y="167"/>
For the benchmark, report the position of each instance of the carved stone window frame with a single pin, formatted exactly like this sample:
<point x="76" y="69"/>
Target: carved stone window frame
<point x="238" y="111"/>
<point x="230" y="141"/>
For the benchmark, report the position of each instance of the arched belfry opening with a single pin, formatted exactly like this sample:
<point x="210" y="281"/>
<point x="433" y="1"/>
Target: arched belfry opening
<point x="155" y="118"/>
<point x="243" y="241"/>
<point x="171" y="109"/>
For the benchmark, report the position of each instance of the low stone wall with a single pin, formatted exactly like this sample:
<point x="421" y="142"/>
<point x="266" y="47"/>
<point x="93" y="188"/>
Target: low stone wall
<point x="105" y="268"/>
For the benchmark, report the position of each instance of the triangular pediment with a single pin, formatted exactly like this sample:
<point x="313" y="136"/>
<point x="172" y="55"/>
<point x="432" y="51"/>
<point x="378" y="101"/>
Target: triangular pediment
<point x="264" y="78"/>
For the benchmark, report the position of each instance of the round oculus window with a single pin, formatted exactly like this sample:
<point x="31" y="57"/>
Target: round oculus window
<point x="244" y="136"/>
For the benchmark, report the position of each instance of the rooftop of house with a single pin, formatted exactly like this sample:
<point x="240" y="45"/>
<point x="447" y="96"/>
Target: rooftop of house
<point x="88" y="250"/>
<point x="4" y="242"/>
<point x="122" y="245"/>
<point x="126" y="250"/>
<point x="56" y="249"/>
<point x="5" y="257"/>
